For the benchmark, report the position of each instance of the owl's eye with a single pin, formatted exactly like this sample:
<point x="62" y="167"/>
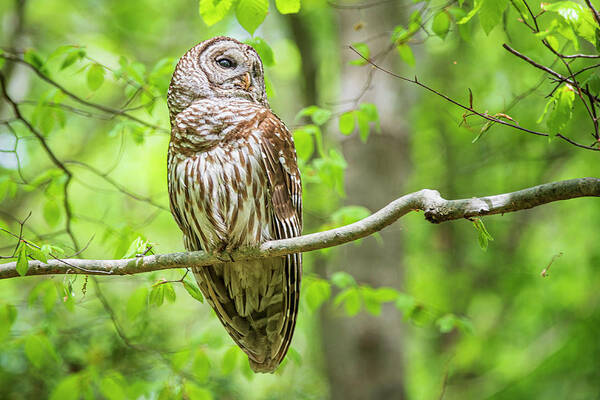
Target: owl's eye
<point x="226" y="62"/>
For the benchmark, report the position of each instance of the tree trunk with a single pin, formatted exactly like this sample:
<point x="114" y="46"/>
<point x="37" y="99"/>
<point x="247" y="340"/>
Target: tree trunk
<point x="363" y="354"/>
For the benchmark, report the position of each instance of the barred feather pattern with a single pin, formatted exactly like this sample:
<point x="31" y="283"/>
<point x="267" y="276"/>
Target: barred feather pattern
<point x="234" y="182"/>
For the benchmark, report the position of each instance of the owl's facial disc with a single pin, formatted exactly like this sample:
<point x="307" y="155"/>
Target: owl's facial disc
<point x="234" y="70"/>
<point x="219" y="67"/>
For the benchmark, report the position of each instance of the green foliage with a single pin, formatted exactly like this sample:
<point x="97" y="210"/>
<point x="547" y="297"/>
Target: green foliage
<point x="213" y="11"/>
<point x="40" y="351"/>
<point x="490" y="13"/>
<point x="483" y="236"/>
<point x="559" y="109"/>
<point x="22" y="262"/>
<point x="441" y="24"/>
<point x="319" y="116"/>
<point x="251" y="13"/>
<point x="69" y="388"/>
<point x="364" y="118"/>
<point x="462" y="312"/>
<point x="316" y="292"/>
<point x="95" y="76"/>
<point x="288" y="6"/>
<point x="364" y="51"/>
<point x="193" y="290"/>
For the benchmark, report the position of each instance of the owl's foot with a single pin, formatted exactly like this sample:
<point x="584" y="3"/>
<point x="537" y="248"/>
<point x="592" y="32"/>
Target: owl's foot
<point x="224" y="251"/>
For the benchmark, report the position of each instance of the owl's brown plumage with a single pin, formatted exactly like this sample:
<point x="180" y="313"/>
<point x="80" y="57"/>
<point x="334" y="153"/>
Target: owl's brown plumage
<point x="234" y="182"/>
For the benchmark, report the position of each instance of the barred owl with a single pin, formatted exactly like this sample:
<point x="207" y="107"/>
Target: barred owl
<point x="234" y="182"/>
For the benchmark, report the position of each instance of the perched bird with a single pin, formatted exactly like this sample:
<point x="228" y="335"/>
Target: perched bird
<point x="234" y="182"/>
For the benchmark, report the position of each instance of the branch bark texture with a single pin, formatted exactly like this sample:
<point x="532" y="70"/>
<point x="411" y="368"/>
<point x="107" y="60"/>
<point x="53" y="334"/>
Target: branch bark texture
<point x="435" y="208"/>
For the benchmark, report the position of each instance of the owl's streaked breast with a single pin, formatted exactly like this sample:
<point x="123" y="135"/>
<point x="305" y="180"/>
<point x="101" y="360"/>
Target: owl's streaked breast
<point x="221" y="194"/>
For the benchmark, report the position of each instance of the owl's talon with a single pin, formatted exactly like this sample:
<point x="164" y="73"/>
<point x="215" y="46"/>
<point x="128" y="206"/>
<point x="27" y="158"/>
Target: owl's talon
<point x="228" y="258"/>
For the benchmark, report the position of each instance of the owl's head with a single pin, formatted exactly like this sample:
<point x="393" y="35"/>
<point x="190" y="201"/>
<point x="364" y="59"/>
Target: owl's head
<point x="219" y="67"/>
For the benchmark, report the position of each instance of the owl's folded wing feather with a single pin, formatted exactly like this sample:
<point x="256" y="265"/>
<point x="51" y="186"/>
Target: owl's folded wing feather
<point x="279" y="157"/>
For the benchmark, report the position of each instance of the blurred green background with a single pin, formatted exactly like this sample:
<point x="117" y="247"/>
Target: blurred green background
<point x="418" y="311"/>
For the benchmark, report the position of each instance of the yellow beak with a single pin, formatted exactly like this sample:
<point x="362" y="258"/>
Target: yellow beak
<point x="246" y="81"/>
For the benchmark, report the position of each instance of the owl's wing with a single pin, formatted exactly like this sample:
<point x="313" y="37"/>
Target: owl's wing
<point x="279" y="158"/>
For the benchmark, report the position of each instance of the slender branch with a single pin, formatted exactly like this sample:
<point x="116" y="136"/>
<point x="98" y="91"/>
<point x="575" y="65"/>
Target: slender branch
<point x="469" y="107"/>
<point x="59" y="164"/>
<point x="594" y="11"/>
<point x="436" y="210"/>
<point x="80" y="100"/>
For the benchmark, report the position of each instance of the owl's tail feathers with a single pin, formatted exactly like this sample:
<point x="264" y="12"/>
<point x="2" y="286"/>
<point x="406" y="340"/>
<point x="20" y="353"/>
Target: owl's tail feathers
<point x="257" y="302"/>
<point x="268" y="366"/>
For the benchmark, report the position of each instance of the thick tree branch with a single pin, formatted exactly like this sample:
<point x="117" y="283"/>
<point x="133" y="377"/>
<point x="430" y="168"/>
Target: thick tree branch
<point x="436" y="210"/>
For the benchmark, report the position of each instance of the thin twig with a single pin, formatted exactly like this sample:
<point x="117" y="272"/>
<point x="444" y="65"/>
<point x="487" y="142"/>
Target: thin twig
<point x="80" y="100"/>
<point x="471" y="110"/>
<point x="50" y="153"/>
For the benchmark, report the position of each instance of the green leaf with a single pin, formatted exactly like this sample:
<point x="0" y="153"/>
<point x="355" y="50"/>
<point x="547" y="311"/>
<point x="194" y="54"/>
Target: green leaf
<point x="39" y="351"/>
<point x="346" y="123"/>
<point x="213" y="11"/>
<point x="363" y="126"/>
<point x="406" y="54"/>
<point x="55" y="250"/>
<point x="351" y="299"/>
<point x="446" y="323"/>
<point x="193" y="291"/>
<point x="364" y="51"/>
<point x="95" y="76"/>
<point x="69" y="388"/>
<point x="318" y="115"/>
<point x="73" y="55"/>
<point x="34" y="58"/>
<point x="230" y="359"/>
<point x="263" y="49"/>
<point x="483" y="236"/>
<point x="304" y="143"/>
<point x="157" y="295"/>
<point x="138" y="246"/>
<point x="112" y="386"/>
<point x="2" y="59"/>
<point x="181" y="358"/>
<point x="370" y="300"/>
<point x="201" y="366"/>
<point x="195" y="392"/>
<point x="405" y="303"/>
<point x="577" y="20"/>
<point x="553" y="42"/>
<point x="441" y="24"/>
<point x="491" y="13"/>
<point x="562" y="112"/>
<point x="251" y="13"/>
<point x="342" y="280"/>
<point x="137" y="303"/>
<point x="22" y="262"/>
<point x="386" y="294"/>
<point x="51" y="212"/>
<point x="316" y="293"/>
<point x="288" y="6"/>
<point x="331" y="169"/>
<point x="38" y="254"/>
<point x="169" y="292"/>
